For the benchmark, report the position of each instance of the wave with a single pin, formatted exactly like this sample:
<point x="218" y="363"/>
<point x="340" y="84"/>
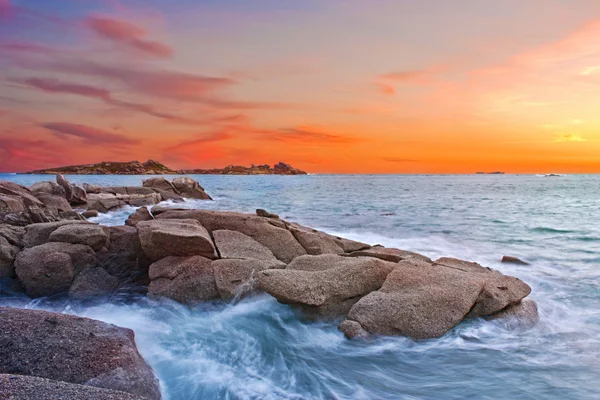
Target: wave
<point x="543" y="229"/>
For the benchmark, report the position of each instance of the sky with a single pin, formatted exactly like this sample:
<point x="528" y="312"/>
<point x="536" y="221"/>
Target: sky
<point x="329" y="86"/>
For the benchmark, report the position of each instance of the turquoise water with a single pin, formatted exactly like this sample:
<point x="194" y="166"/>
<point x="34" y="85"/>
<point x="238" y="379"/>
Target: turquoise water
<point x="258" y="349"/>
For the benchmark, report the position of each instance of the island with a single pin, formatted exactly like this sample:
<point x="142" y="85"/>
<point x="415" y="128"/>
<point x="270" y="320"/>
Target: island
<point x="152" y="167"/>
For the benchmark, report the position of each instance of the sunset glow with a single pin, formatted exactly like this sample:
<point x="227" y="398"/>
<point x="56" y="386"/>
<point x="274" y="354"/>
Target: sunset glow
<point x="339" y="86"/>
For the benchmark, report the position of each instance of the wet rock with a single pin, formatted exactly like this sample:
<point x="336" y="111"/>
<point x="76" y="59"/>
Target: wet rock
<point x="90" y="214"/>
<point x="190" y="188"/>
<point x="8" y="254"/>
<point x="48" y="187"/>
<point x="163" y="238"/>
<point x="264" y="213"/>
<point x="93" y="282"/>
<point x="280" y="241"/>
<point x="19" y="387"/>
<point x="329" y="292"/>
<point x="75" y="350"/>
<point x="187" y="280"/>
<point x="79" y="195"/>
<point x="141" y="214"/>
<point x="37" y="234"/>
<point x="513" y="260"/>
<point x="352" y="330"/>
<point x="236" y="278"/>
<point x="523" y="315"/>
<point x="160" y="183"/>
<point x="66" y="185"/>
<point x="88" y="234"/>
<point x="51" y="267"/>
<point x="389" y="254"/>
<point x="232" y="244"/>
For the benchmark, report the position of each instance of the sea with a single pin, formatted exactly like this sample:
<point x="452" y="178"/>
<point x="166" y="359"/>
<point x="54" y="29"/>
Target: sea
<point x="260" y="349"/>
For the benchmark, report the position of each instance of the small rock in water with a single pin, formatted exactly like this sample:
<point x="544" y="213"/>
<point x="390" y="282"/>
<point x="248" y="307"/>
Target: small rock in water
<point x="264" y="213"/>
<point x="513" y="260"/>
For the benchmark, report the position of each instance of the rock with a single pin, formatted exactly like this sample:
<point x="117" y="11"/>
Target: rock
<point x="264" y="213"/>
<point x="19" y="387"/>
<point x="280" y="241"/>
<point x="104" y="202"/>
<point x="89" y="188"/>
<point x="90" y="214"/>
<point x="88" y="234"/>
<point x="523" y="315"/>
<point x="139" y="200"/>
<point x="318" y="263"/>
<point x="327" y="292"/>
<point x="513" y="260"/>
<point x="187" y="280"/>
<point x="236" y="278"/>
<point x="141" y="214"/>
<point x="59" y="204"/>
<point x="93" y="282"/>
<point x="350" y="246"/>
<point x="66" y="185"/>
<point x="50" y="268"/>
<point x="316" y="242"/>
<point x="160" y="183"/>
<point x="190" y="188"/>
<point x="124" y="257"/>
<point x="48" y="187"/>
<point x="11" y="204"/>
<point x="389" y="254"/>
<point x="8" y="254"/>
<point x="422" y="300"/>
<point x="352" y="330"/>
<point x="127" y="190"/>
<point x="19" y="207"/>
<point x="75" y="350"/>
<point x="79" y="195"/>
<point x="71" y="216"/>
<point x="282" y="168"/>
<point x="232" y="244"/>
<point x="13" y="234"/>
<point x="37" y="234"/>
<point x="21" y="192"/>
<point x="166" y="196"/>
<point x="163" y="238"/>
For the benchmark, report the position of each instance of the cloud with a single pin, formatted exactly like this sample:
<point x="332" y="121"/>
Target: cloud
<point x="385" y="88"/>
<point x="17" y="155"/>
<point x="569" y="137"/>
<point x="400" y="160"/>
<point x="306" y="135"/>
<point x="90" y="135"/>
<point x="128" y="35"/>
<point x="207" y="138"/>
<point x="416" y="76"/>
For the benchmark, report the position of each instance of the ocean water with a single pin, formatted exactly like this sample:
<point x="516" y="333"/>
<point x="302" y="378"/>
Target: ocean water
<point x="259" y="349"/>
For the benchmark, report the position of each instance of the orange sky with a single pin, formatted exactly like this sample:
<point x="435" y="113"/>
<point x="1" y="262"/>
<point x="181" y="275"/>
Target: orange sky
<point x="341" y="86"/>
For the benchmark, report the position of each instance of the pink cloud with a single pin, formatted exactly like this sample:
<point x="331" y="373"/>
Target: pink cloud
<point x="128" y="35"/>
<point x="6" y="9"/>
<point x="90" y="135"/>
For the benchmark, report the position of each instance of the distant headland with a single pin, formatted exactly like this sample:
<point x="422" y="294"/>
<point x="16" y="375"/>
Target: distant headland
<point x="152" y="167"/>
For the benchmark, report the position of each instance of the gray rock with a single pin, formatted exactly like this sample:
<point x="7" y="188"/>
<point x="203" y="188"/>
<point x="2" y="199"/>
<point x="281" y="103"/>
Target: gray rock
<point x="59" y="204"/>
<point x="19" y="387"/>
<point x="160" y="183"/>
<point x="264" y="213"/>
<point x="141" y="214"/>
<point x="37" y="234"/>
<point x="93" y="282"/>
<point x="523" y="315"/>
<point x="88" y="234"/>
<point x="513" y="260"/>
<point x="13" y="234"/>
<point x="90" y="214"/>
<point x="350" y="245"/>
<point x="73" y="349"/>
<point x="280" y="241"/>
<point x="48" y="187"/>
<point x="187" y="280"/>
<point x="51" y="267"/>
<point x="163" y="238"/>
<point x="89" y="188"/>
<point x="232" y="244"/>
<point x="316" y="242"/>
<point x="320" y="263"/>
<point x="389" y="254"/>
<point x="352" y="329"/>
<point x="79" y="195"/>
<point x="236" y="278"/>
<point x="8" y="254"/>
<point x="328" y="292"/>
<point x="66" y="185"/>
<point x="190" y="188"/>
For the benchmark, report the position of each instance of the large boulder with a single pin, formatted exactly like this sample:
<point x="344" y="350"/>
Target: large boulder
<point x="523" y="315"/>
<point x="73" y="349"/>
<point x="19" y="206"/>
<point x="57" y="203"/>
<point x="423" y="300"/>
<point x="163" y="238"/>
<point x="51" y="267"/>
<point x="93" y="282"/>
<point x="190" y="188"/>
<point x="232" y="244"/>
<point x="37" y="234"/>
<point x="48" y="187"/>
<point x="79" y="195"/>
<point x="279" y="240"/>
<point x="141" y="214"/>
<point x="19" y="387"/>
<point x="315" y="242"/>
<point x="124" y="257"/>
<point x="389" y="254"/>
<point x="66" y="185"/>
<point x="236" y="278"/>
<point x="88" y="234"/>
<point x="322" y="290"/>
<point x="159" y="183"/>
<point x="187" y="280"/>
<point x="13" y="234"/>
<point x="21" y="192"/>
<point x="8" y="254"/>
<point x="104" y="202"/>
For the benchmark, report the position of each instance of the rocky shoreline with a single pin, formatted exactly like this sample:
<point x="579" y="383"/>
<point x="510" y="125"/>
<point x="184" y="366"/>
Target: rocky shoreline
<point x="152" y="167"/>
<point x="192" y="256"/>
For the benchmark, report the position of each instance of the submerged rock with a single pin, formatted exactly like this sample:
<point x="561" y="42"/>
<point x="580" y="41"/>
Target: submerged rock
<point x="513" y="260"/>
<point x="523" y="315"/>
<point x="75" y="350"/>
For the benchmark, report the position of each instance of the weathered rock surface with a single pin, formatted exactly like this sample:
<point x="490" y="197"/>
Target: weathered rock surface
<point x="75" y="350"/>
<point x="20" y="387"/>
<point x="8" y="254"/>
<point x="159" y="183"/>
<point x="237" y="278"/>
<point x="124" y="257"/>
<point x="523" y="315"/>
<point x="48" y="187"/>
<point x="141" y="214"/>
<point x="19" y="206"/>
<point x="423" y="300"/>
<point x="232" y="244"/>
<point x="389" y="254"/>
<point x="326" y="292"/>
<point x="58" y="204"/>
<point x="50" y="268"/>
<point x="93" y="282"/>
<point x="66" y="185"/>
<point x="105" y="202"/>
<point x="279" y="240"/>
<point x="513" y="260"/>
<point x="88" y="234"/>
<point x="90" y="214"/>
<point x="37" y="234"/>
<point x="187" y="280"/>
<point x="79" y="195"/>
<point x="190" y="188"/>
<point x="163" y="238"/>
<point x="315" y="242"/>
<point x="13" y="234"/>
<point x="264" y="213"/>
